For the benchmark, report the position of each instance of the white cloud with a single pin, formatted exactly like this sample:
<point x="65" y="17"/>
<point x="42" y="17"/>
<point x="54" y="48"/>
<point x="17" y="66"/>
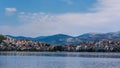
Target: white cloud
<point x="10" y="11"/>
<point x="106" y="19"/>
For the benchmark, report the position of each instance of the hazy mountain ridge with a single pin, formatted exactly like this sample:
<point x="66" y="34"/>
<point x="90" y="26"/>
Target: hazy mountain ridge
<point x="100" y="36"/>
<point x="62" y="39"/>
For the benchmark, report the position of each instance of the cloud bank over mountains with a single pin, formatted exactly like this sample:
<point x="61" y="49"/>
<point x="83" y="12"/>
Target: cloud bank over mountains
<point x="105" y="18"/>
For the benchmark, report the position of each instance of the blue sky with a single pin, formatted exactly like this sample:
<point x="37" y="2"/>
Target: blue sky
<point x="46" y="6"/>
<point x="47" y="17"/>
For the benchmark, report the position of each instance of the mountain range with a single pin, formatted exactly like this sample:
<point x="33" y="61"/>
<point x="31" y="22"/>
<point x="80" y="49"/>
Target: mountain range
<point x="62" y="39"/>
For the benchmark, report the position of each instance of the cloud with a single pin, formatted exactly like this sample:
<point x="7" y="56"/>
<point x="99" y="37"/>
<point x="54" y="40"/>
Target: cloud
<point x="106" y="19"/>
<point x="10" y="11"/>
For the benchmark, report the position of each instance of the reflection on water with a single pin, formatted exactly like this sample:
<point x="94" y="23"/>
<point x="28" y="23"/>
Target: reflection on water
<point x="56" y="62"/>
<point x="64" y="54"/>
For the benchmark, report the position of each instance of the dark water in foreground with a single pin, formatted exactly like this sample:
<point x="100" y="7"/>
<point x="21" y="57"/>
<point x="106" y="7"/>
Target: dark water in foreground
<point x="59" y="60"/>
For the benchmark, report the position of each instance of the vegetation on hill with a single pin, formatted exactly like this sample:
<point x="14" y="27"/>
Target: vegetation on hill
<point x="2" y="38"/>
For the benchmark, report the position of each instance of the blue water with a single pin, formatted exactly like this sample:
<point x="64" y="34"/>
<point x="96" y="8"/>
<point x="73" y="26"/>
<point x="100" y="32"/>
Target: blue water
<point x="57" y="62"/>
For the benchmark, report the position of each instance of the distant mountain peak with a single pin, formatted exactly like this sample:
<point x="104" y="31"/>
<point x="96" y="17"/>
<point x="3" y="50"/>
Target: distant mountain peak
<point x="94" y="33"/>
<point x="60" y="35"/>
<point x="63" y="39"/>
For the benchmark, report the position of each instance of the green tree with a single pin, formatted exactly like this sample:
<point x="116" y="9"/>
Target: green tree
<point x="2" y="38"/>
<point x="58" y="48"/>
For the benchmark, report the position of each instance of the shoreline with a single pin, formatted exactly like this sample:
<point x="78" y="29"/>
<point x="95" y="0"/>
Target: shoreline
<point x="63" y="54"/>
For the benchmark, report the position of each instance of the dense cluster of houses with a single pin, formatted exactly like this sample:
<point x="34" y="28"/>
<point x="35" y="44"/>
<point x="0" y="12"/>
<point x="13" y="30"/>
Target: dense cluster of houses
<point x="10" y="44"/>
<point x="96" y="46"/>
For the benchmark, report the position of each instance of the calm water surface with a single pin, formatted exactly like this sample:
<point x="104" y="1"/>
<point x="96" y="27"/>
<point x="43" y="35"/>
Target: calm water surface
<point x="56" y="60"/>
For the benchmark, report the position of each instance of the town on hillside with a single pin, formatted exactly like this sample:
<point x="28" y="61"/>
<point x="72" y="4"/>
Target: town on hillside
<point x="10" y="44"/>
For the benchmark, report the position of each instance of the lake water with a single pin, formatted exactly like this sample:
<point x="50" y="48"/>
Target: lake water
<point x="58" y="60"/>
